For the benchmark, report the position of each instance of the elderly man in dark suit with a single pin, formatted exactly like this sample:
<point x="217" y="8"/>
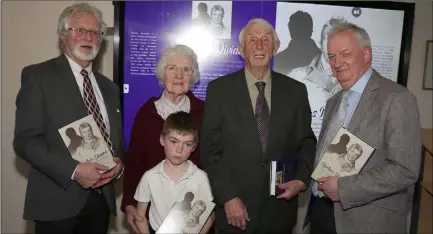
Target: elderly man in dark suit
<point x="385" y="115"/>
<point x="251" y="117"/>
<point x="63" y="195"/>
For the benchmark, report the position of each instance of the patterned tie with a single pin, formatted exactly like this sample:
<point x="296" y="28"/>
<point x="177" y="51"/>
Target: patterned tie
<point x="262" y="115"/>
<point x="336" y="123"/>
<point x="93" y="108"/>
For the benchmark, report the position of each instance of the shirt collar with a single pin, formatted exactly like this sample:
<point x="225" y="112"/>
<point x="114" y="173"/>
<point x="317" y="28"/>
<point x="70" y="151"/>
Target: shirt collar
<point x="77" y="68"/>
<point x="359" y="86"/>
<point x="183" y="101"/>
<point x="251" y="80"/>
<point x="191" y="168"/>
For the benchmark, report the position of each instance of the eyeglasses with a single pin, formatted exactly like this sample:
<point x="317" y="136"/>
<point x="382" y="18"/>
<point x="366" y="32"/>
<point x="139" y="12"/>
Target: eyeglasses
<point x="174" y="69"/>
<point x="83" y="32"/>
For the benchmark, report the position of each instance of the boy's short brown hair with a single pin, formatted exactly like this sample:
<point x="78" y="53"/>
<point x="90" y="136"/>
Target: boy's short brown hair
<point x="182" y="123"/>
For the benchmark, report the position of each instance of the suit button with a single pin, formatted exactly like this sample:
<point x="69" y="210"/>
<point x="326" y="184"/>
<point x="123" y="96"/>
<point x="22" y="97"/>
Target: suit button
<point x="263" y="165"/>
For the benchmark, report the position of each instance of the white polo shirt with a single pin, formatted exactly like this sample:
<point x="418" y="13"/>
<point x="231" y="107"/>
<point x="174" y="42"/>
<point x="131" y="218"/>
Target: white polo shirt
<point x="158" y="189"/>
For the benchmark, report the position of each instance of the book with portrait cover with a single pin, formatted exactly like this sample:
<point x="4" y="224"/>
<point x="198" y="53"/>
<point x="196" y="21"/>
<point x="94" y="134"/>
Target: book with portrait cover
<point x="86" y="143"/>
<point x="281" y="171"/>
<point x="188" y="214"/>
<point x="346" y="155"/>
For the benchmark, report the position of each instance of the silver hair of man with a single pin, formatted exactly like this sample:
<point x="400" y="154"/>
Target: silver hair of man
<point x="343" y="26"/>
<point x="261" y="22"/>
<point x="174" y="50"/>
<point x="80" y="8"/>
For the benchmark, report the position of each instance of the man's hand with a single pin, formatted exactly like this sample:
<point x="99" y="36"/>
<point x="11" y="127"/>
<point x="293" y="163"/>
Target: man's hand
<point x="87" y="174"/>
<point x="133" y="217"/>
<point x="328" y="185"/>
<point x="111" y="174"/>
<point x="236" y="213"/>
<point x="292" y="188"/>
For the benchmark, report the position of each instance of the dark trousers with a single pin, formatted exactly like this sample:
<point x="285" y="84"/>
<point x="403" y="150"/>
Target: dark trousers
<point x="322" y="216"/>
<point x="93" y="218"/>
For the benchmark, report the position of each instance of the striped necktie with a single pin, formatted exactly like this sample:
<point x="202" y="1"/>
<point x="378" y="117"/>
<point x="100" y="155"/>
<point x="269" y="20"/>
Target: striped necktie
<point x="262" y="115"/>
<point x="93" y="108"/>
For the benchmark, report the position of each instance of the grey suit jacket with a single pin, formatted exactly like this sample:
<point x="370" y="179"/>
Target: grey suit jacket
<point x="231" y="152"/>
<point x="376" y="200"/>
<point x="49" y="98"/>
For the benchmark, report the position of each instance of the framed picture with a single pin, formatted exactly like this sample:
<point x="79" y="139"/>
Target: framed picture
<point x="428" y="74"/>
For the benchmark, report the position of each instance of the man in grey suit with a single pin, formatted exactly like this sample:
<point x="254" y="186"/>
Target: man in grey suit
<point x="252" y="117"/>
<point x="385" y="115"/>
<point x="63" y="195"/>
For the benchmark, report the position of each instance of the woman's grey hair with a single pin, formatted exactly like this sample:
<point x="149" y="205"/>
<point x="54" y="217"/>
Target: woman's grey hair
<point x="174" y="50"/>
<point x="344" y="26"/>
<point x="262" y="22"/>
<point x="80" y="8"/>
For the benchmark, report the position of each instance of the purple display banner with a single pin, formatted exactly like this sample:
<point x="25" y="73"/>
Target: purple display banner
<point x="150" y="26"/>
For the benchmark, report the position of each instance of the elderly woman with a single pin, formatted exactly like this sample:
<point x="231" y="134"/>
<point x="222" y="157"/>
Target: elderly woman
<point x="178" y="70"/>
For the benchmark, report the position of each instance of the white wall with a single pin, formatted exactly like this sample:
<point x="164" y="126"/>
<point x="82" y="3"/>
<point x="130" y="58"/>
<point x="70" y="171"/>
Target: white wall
<point x="422" y="31"/>
<point x="29" y="36"/>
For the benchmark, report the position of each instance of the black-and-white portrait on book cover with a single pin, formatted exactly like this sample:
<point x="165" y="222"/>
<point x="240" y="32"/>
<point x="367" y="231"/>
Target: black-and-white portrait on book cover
<point x="214" y="16"/>
<point x="346" y="155"/>
<point x="188" y="214"/>
<point x="85" y="142"/>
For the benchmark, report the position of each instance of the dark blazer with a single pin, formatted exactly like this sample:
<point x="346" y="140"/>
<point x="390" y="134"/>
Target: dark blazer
<point x="49" y="98"/>
<point x="145" y="150"/>
<point x="231" y="152"/>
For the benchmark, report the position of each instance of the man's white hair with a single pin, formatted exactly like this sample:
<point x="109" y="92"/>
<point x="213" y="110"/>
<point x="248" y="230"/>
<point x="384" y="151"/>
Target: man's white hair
<point x="174" y="50"/>
<point x="80" y="8"/>
<point x="343" y="26"/>
<point x="261" y="22"/>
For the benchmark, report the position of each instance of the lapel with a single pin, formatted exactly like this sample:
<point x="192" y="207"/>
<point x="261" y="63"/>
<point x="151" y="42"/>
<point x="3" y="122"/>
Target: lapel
<point x="245" y="109"/>
<point x="331" y="106"/>
<point x="278" y="106"/>
<point x="367" y="98"/>
<point x="110" y="104"/>
<point x="67" y="87"/>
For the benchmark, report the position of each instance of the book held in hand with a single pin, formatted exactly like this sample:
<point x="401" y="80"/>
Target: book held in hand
<point x="281" y="172"/>
<point x="188" y="214"/>
<point x="86" y="143"/>
<point x="346" y="155"/>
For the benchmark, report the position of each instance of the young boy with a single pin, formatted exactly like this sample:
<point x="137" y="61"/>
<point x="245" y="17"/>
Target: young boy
<point x="163" y="184"/>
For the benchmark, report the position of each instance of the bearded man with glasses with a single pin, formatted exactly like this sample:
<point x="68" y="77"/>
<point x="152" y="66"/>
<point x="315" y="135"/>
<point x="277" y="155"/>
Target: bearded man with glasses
<point x="64" y="195"/>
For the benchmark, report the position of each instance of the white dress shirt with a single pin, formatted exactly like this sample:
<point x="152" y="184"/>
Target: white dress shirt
<point x="76" y="69"/>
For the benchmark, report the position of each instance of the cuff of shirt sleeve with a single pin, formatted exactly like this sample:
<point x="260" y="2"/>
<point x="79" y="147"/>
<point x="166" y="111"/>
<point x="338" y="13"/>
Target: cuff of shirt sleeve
<point x="73" y="174"/>
<point x="121" y="173"/>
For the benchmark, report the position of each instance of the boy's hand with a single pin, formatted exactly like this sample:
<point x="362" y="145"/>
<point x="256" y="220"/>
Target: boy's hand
<point x="133" y="217"/>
